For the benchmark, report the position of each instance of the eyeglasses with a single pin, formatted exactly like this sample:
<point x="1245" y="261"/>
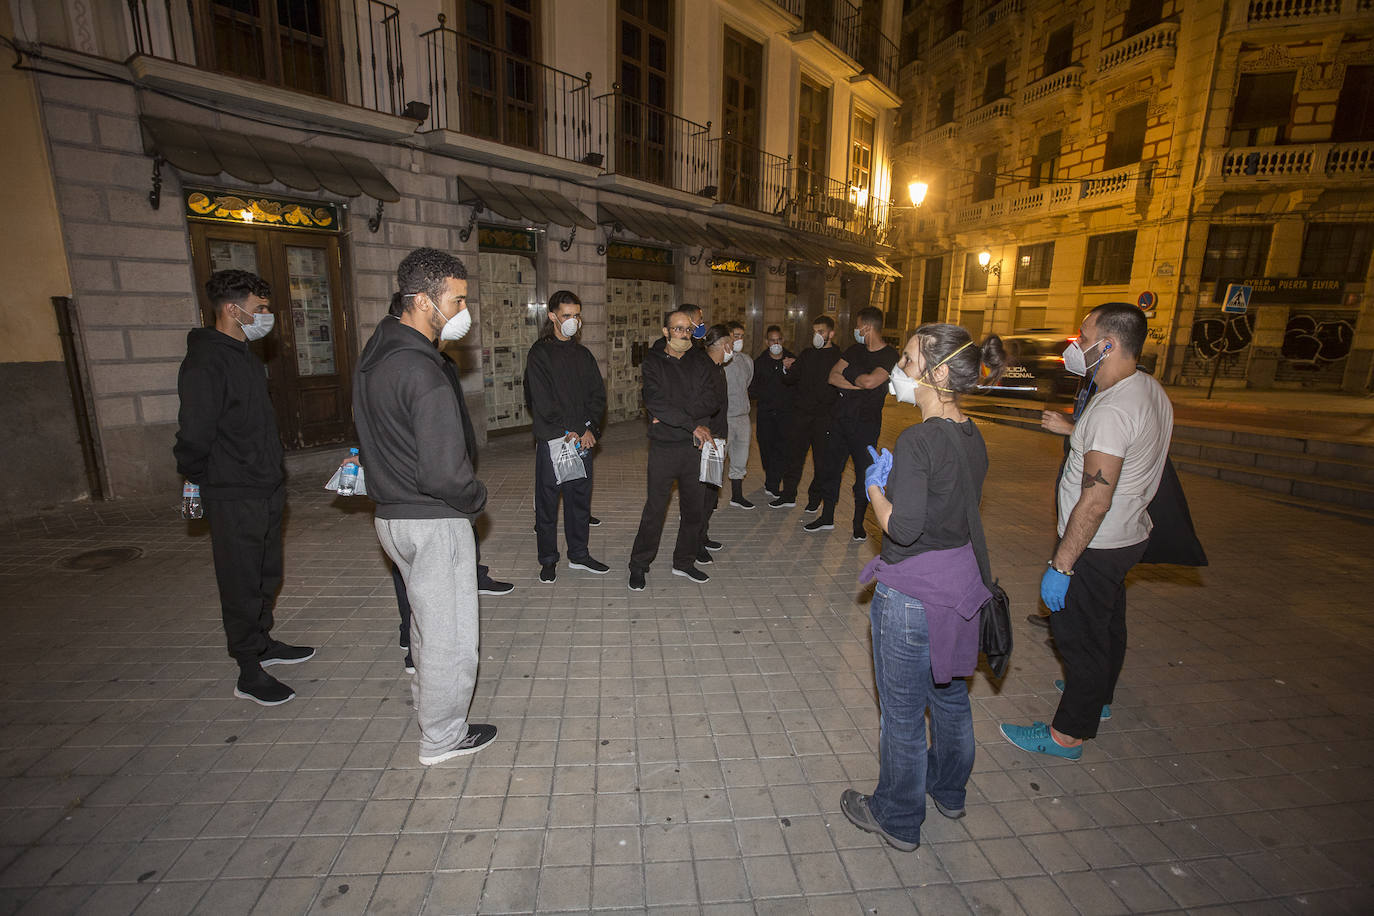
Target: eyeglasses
<point x="681" y="329"/>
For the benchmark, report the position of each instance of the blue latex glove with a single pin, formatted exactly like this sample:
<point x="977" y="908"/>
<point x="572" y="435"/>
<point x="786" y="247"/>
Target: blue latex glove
<point x="877" y="472"/>
<point x="1053" y="586"/>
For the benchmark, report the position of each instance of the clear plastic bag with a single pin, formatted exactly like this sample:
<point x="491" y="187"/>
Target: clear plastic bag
<point x="567" y="463"/>
<point x="359" y="488"/>
<point x="713" y="462"/>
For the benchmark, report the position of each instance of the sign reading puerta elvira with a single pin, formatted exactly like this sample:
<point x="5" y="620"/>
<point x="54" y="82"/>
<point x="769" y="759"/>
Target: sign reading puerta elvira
<point x="1285" y="290"/>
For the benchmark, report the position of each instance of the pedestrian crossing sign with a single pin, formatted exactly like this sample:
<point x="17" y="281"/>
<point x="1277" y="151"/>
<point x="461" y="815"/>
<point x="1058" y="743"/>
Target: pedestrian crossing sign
<point x="1237" y="301"/>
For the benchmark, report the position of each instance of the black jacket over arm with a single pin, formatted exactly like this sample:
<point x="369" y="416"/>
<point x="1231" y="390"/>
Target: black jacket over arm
<point x="564" y="387"/>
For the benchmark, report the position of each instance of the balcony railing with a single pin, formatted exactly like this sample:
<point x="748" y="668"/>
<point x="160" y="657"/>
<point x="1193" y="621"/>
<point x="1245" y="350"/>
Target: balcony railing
<point x="643" y="141"/>
<point x="878" y="55"/>
<point x="838" y="21"/>
<point x="1118" y="186"/>
<point x="945" y="133"/>
<point x="484" y="91"/>
<point x="1295" y="12"/>
<point x="750" y="177"/>
<point x="950" y="46"/>
<point x="1066" y="81"/>
<point x="795" y="7"/>
<point x="1002" y="12"/>
<point x="1318" y="162"/>
<point x="827" y="206"/>
<point x="359" y="65"/>
<point x="988" y="114"/>
<point x="1159" y="42"/>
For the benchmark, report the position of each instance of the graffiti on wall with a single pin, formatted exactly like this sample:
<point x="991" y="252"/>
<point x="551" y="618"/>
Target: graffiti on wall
<point x="1315" y="346"/>
<point x="1218" y="336"/>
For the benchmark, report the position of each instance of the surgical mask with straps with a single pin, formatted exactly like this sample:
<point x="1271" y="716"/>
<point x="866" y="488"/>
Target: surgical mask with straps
<point x="1075" y="358"/>
<point x="903" y="386"/>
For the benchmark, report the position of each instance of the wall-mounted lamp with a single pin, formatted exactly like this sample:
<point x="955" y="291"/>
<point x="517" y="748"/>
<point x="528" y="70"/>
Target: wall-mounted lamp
<point x="917" y="192"/>
<point x="985" y="262"/>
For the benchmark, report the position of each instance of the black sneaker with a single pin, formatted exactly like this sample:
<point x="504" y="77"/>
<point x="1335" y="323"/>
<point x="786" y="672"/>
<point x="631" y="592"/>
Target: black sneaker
<point x="741" y="503"/>
<point x="813" y="507"/>
<point x="590" y="565"/>
<point x="714" y="545"/>
<point x="262" y="688"/>
<point x="859" y="534"/>
<point x="636" y="581"/>
<point x="279" y="653"/>
<point x="593" y="521"/>
<point x="819" y="524"/>
<point x="782" y="502"/>
<point x="1039" y="620"/>
<point x="478" y="737"/>
<point x="770" y="491"/>
<point x="548" y="572"/>
<point x="704" y="556"/>
<point x="490" y="586"/>
<point x="410" y="663"/>
<point x="692" y="573"/>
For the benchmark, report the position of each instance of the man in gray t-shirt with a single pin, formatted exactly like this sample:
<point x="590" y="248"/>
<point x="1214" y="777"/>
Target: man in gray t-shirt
<point x="1117" y="452"/>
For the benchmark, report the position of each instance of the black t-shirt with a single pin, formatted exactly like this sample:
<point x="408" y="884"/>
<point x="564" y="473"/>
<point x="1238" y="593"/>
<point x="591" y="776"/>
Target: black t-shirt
<point x="929" y="497"/>
<point x="868" y="403"/>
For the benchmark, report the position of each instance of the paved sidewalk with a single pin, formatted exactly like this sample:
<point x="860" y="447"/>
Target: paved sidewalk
<point x="680" y="750"/>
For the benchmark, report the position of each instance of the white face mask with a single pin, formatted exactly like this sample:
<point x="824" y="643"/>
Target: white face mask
<point x="726" y="356"/>
<point x="818" y="341"/>
<point x="901" y="386"/>
<point x="858" y="337"/>
<point x="570" y="326"/>
<point x="455" y="328"/>
<point x="260" y="326"/>
<point x="775" y="349"/>
<point x="1076" y="361"/>
<point x="738" y="345"/>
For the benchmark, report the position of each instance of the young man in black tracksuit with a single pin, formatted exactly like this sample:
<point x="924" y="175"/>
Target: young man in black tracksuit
<point x="679" y="402"/>
<point x="810" y="377"/>
<point x="776" y="399"/>
<point x="566" y="398"/>
<point x="227" y="444"/>
<point x="860" y="378"/>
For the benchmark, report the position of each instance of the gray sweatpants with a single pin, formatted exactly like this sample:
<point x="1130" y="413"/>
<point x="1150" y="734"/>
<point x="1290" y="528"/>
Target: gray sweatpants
<point x="438" y="561"/>
<point x="738" y="444"/>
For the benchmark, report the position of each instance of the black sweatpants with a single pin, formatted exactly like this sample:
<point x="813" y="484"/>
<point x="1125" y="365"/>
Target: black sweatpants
<point x="245" y="539"/>
<point x="710" y="499"/>
<point x="670" y="462"/>
<point x="577" y="508"/>
<point x="772" y="428"/>
<point x="849" y="441"/>
<point x="1090" y="634"/>
<point x="809" y="431"/>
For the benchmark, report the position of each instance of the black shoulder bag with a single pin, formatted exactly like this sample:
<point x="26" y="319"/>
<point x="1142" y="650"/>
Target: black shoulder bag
<point x="994" y="618"/>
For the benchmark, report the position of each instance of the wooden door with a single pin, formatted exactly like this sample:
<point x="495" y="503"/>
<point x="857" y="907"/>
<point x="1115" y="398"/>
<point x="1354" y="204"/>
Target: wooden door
<point x="309" y="360"/>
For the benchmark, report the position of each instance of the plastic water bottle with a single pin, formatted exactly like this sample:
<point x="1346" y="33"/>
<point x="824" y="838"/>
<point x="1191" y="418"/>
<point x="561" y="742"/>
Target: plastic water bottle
<point x="348" y="474"/>
<point x="190" y="501"/>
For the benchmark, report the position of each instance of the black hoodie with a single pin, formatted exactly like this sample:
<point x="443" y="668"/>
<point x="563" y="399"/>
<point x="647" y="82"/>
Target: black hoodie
<point x="227" y="439"/>
<point x="563" y="389"/>
<point x="681" y="393"/>
<point x="410" y="429"/>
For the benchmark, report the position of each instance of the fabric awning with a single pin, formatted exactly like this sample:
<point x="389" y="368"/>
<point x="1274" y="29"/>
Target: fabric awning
<point x="262" y="160"/>
<point x="871" y="264"/>
<point x="760" y="243"/>
<point x="530" y="205"/>
<point x="662" y="227"/>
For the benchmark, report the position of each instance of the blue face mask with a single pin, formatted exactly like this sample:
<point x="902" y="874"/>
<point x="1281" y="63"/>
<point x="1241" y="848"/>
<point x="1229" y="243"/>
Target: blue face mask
<point x="858" y="338"/>
<point x="699" y="331"/>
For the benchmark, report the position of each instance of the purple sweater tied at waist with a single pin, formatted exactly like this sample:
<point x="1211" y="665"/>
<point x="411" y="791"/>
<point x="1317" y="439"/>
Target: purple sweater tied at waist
<point x="949" y="586"/>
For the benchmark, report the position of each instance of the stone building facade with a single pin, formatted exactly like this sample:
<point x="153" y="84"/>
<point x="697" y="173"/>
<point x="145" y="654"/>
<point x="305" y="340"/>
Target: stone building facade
<point x="643" y="154"/>
<point x="1153" y="152"/>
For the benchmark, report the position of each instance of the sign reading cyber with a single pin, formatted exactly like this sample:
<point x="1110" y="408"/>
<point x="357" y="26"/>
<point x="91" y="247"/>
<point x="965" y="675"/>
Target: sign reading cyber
<point x="1285" y="290"/>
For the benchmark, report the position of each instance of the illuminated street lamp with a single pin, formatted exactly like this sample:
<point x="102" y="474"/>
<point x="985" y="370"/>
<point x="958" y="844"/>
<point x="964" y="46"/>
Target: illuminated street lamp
<point x="917" y="192"/>
<point x="985" y="262"/>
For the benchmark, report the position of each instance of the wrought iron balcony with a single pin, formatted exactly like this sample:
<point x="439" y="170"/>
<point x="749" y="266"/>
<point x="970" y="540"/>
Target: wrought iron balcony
<point x="355" y="59"/>
<point x="1317" y="163"/>
<point x="750" y="177"/>
<point x="795" y="7"/>
<point x="484" y="91"/>
<point x="837" y="21"/>
<point x="648" y="143"/>
<point x="827" y="206"/>
<point x="1156" y="45"/>
<point x="878" y="55"/>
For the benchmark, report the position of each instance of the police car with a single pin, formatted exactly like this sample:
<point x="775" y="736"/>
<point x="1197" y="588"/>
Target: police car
<point x="1035" y="368"/>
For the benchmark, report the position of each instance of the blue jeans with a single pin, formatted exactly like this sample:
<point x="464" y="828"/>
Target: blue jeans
<point x="907" y="769"/>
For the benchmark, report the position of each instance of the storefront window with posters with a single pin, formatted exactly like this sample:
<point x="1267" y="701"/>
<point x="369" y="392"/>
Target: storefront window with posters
<point x="639" y="289"/>
<point x="511" y="315"/>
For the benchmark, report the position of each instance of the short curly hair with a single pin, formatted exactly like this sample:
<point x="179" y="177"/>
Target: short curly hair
<point x="225" y="286"/>
<point x="424" y="270"/>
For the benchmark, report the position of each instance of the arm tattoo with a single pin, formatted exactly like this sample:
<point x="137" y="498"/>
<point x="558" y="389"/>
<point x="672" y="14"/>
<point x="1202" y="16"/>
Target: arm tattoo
<point x="1094" y="479"/>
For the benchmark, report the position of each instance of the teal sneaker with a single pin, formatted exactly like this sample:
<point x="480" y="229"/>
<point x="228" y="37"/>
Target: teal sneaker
<point x="1036" y="739"/>
<point x="1106" y="710"/>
